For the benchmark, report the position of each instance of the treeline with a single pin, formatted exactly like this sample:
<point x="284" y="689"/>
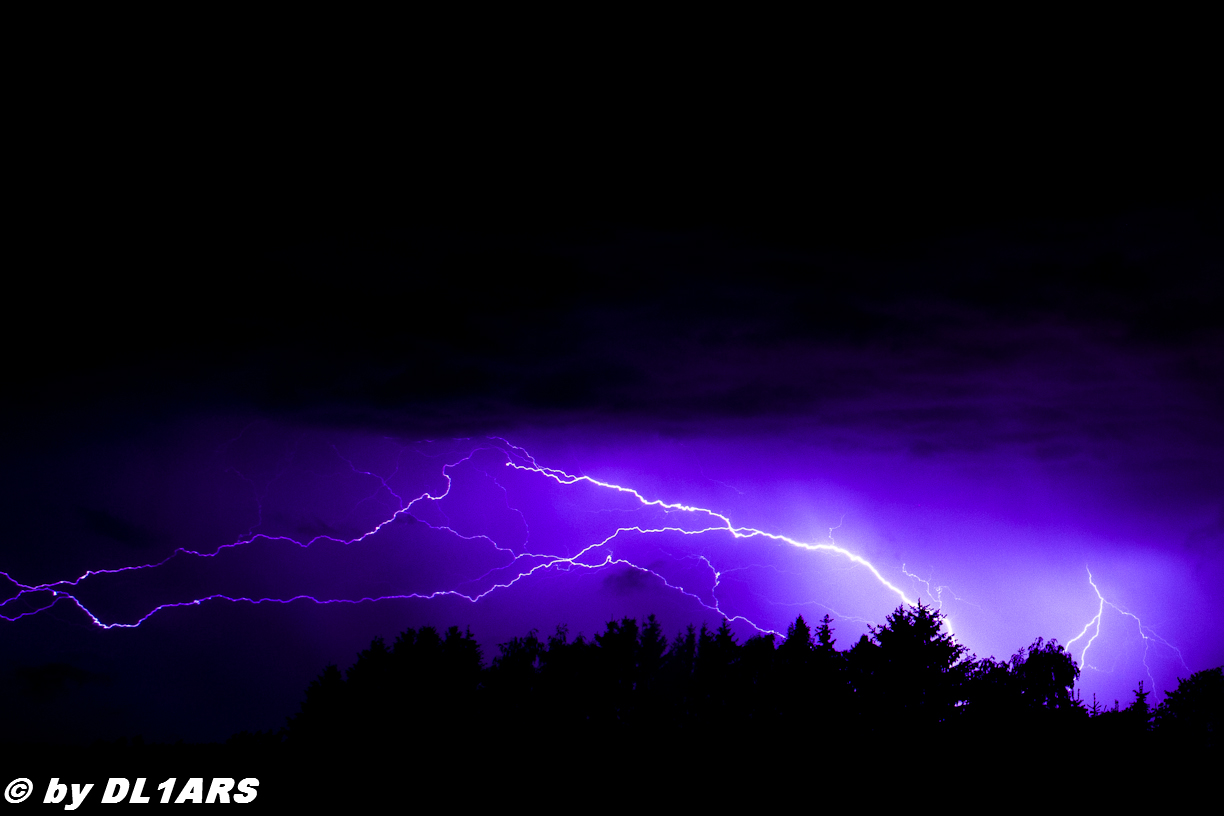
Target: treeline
<point x="909" y="680"/>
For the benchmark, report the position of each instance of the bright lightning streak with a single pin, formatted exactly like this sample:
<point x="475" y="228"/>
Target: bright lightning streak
<point x="936" y="593"/>
<point x="738" y="532"/>
<point x="36" y="598"/>
<point x="1096" y="619"/>
<point x="1144" y="632"/>
<point x="521" y="558"/>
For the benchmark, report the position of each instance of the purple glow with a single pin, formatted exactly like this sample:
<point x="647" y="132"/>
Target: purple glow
<point x="526" y="556"/>
<point x="521" y="544"/>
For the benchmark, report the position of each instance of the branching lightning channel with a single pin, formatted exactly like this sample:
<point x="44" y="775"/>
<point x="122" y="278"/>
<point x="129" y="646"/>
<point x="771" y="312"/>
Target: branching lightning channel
<point x="628" y="522"/>
<point x="739" y="532"/>
<point x="1094" y="624"/>
<point x="507" y="559"/>
<point x="523" y="561"/>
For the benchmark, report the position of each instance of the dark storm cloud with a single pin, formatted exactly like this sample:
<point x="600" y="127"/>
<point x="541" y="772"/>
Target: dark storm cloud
<point x="1209" y="539"/>
<point x="629" y="581"/>
<point x="1062" y="321"/>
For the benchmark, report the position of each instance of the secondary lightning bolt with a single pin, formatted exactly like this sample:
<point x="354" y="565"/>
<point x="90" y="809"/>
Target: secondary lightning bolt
<point x="1147" y="634"/>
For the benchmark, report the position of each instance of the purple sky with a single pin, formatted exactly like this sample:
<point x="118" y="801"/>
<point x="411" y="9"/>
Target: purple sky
<point x="981" y="413"/>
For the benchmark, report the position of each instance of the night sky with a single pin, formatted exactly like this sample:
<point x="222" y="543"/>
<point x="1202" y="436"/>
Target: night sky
<point x="984" y="368"/>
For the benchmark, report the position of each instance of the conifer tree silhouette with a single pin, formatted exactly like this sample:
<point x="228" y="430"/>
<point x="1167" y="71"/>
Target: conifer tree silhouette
<point x="922" y="680"/>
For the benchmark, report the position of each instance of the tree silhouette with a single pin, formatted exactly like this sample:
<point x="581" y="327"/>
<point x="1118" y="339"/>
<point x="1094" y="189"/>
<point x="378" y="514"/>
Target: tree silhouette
<point x="617" y="656"/>
<point x="1047" y="675"/>
<point x="764" y="701"/>
<point x="922" y="681"/>
<point x="513" y="679"/>
<point x="1191" y="716"/>
<point x="322" y="717"/>
<point x="713" y="676"/>
<point x="824" y="635"/>
<point x="798" y="646"/>
<point x="542" y="700"/>
<point x="1031" y="691"/>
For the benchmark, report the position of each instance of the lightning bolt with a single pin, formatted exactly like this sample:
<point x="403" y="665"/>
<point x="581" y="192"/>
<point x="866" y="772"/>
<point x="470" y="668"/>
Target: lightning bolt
<point x="1146" y="633"/>
<point x="627" y="518"/>
<point x="523" y="561"/>
<point x="937" y="592"/>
